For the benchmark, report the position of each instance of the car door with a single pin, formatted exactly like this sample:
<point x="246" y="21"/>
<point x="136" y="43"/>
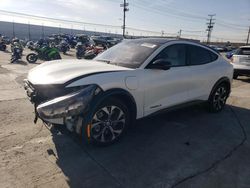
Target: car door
<point x="165" y="88"/>
<point x="202" y="64"/>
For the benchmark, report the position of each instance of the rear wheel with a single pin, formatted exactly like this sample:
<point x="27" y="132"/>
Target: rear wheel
<point x="218" y="98"/>
<point x="108" y="122"/>
<point x="56" y="56"/>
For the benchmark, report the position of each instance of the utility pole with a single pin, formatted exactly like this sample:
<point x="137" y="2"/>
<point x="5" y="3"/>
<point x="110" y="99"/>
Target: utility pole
<point x="248" y="35"/>
<point x="162" y="33"/>
<point x="42" y="31"/>
<point x="125" y="9"/>
<point x="210" y="26"/>
<point x="13" y="29"/>
<point x="179" y="34"/>
<point x="29" y="30"/>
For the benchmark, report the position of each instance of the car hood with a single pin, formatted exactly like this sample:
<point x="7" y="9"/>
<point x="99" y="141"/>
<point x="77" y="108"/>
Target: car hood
<point x="61" y="71"/>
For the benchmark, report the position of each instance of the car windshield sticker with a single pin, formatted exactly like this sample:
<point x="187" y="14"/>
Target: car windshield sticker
<point x="148" y="45"/>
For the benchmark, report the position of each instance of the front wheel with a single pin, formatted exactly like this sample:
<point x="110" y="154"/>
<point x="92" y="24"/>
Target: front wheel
<point x="13" y="59"/>
<point x="218" y="98"/>
<point x="108" y="122"/>
<point x="32" y="58"/>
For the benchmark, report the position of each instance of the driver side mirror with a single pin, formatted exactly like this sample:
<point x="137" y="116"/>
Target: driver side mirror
<point x="160" y="64"/>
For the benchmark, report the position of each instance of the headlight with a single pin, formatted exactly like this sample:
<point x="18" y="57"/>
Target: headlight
<point x="68" y="105"/>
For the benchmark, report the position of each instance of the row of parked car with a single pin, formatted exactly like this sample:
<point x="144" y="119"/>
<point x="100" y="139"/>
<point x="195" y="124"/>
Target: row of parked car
<point x="240" y="58"/>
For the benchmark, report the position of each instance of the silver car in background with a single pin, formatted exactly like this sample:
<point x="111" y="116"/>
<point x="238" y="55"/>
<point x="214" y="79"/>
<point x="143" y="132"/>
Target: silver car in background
<point x="241" y="62"/>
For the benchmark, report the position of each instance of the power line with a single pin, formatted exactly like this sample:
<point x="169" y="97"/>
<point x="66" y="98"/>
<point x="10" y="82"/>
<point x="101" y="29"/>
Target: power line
<point x="162" y="13"/>
<point x="229" y="26"/>
<point x="227" y="39"/>
<point x="171" y="12"/>
<point x="56" y="20"/>
<point x="197" y="16"/>
<point x="194" y="31"/>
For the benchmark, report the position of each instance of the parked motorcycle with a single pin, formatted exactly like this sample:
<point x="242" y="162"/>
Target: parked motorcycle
<point x="63" y="47"/>
<point x="16" y="53"/>
<point x="93" y="51"/>
<point x="30" y="45"/>
<point x="80" y="50"/>
<point x="45" y="53"/>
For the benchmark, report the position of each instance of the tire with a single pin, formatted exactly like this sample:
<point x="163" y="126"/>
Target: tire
<point x="218" y="98"/>
<point x="107" y="123"/>
<point x="3" y="48"/>
<point x="31" y="58"/>
<point x="235" y="76"/>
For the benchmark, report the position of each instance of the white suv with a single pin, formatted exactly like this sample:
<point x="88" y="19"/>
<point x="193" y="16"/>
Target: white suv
<point x="134" y="79"/>
<point x="241" y="62"/>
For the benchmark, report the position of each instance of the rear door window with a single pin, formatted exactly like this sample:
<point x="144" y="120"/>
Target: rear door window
<point x="198" y="55"/>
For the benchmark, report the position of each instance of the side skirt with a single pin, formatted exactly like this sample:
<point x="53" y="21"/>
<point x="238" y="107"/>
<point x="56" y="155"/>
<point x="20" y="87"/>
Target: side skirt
<point x="176" y="107"/>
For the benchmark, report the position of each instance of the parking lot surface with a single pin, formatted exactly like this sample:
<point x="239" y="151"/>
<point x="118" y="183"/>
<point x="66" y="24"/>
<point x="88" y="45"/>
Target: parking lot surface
<point x="183" y="148"/>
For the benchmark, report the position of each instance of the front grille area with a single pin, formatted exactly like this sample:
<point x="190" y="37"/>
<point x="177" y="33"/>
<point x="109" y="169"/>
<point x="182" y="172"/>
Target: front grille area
<point x="42" y="93"/>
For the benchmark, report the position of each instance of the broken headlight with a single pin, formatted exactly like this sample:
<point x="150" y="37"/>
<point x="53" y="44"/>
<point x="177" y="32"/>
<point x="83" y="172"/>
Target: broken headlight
<point x="71" y="104"/>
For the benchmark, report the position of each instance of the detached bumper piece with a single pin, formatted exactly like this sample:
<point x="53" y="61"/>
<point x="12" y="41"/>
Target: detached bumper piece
<point x="69" y="105"/>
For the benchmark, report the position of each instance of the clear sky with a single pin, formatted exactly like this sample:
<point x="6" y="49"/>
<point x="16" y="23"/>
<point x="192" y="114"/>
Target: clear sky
<point x="232" y="16"/>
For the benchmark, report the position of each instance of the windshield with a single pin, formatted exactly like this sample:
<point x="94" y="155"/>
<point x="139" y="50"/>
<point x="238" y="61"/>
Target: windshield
<point x="129" y="53"/>
<point x="243" y="51"/>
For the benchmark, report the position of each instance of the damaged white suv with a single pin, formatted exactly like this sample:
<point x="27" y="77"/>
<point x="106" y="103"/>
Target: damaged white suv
<point x="99" y="98"/>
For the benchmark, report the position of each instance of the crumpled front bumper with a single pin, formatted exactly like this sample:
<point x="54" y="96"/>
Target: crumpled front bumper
<point x="59" y="108"/>
<point x="69" y="105"/>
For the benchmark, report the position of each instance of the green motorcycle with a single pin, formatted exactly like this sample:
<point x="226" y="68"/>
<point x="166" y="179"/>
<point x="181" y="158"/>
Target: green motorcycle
<point x="45" y="53"/>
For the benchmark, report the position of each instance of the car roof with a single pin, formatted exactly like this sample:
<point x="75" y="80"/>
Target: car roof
<point x="245" y="46"/>
<point x="158" y="41"/>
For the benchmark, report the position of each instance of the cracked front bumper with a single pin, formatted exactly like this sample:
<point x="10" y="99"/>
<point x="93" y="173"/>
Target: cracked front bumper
<point x="68" y="105"/>
<point x="55" y="110"/>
